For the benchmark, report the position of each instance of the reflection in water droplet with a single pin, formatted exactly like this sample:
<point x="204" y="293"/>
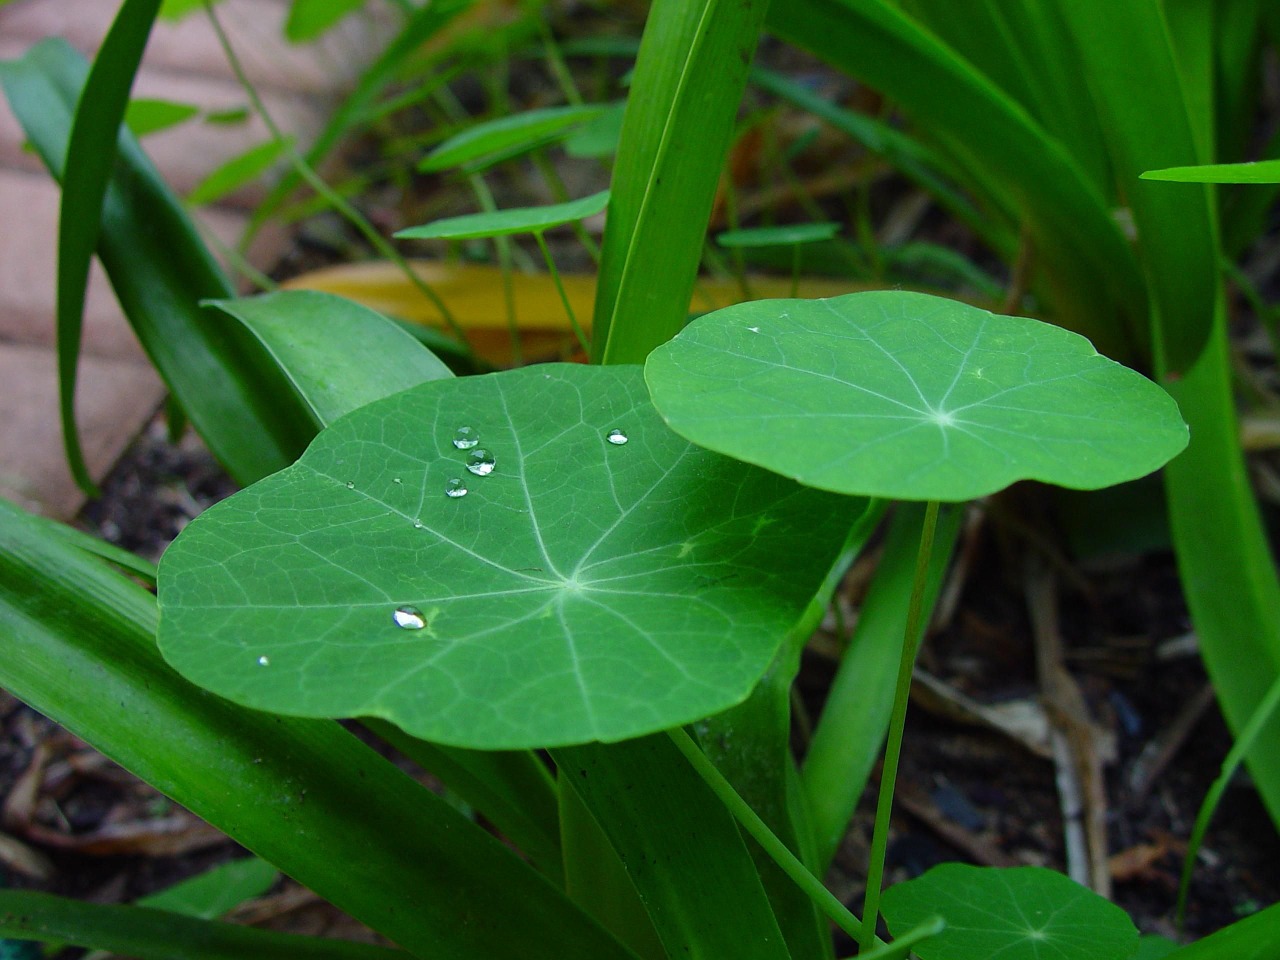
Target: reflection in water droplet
<point x="455" y="488"/>
<point x="408" y="618"/>
<point x="351" y="484"/>
<point x="480" y="462"/>
<point x="465" y="438"/>
<point x="264" y="661"/>
<point x="616" y="437"/>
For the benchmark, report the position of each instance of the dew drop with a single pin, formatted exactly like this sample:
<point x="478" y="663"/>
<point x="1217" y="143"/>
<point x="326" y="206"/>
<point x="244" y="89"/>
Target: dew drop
<point x="417" y="524"/>
<point x="754" y="329"/>
<point x="396" y="480"/>
<point x="351" y="484"/>
<point x="616" y="437"/>
<point x="466" y="438"/>
<point x="264" y="661"/>
<point x="455" y="488"/>
<point x="408" y="618"/>
<point x="480" y="462"/>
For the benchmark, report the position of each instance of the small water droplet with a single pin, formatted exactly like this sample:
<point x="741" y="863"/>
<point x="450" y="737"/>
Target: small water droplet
<point x="396" y="480"/>
<point x="417" y="524"/>
<point x="351" y="484"/>
<point x="754" y="329"/>
<point x="466" y="438"/>
<point x="480" y="462"/>
<point x="408" y="618"/>
<point x="616" y="437"/>
<point x="264" y="661"/>
<point x="455" y="488"/>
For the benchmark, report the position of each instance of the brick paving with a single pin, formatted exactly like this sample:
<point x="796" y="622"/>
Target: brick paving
<point x="118" y="391"/>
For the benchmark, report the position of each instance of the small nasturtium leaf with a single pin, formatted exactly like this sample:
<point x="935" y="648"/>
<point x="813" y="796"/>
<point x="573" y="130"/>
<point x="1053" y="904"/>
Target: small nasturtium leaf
<point x="501" y="223"/>
<point x="910" y="396"/>
<point x="528" y="558"/>
<point x="1018" y="913"/>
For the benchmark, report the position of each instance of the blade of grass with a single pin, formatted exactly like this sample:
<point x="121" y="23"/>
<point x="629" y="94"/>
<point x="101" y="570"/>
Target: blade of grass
<point x="233" y="392"/>
<point x="689" y="77"/>
<point x="91" y="155"/>
<point x="1095" y="286"/>
<point x="304" y="795"/>
<point x="148" y="933"/>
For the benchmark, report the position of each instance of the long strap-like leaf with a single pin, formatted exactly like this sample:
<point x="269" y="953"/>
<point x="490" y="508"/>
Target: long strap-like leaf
<point x="91" y="154"/>
<point x="305" y="795"/>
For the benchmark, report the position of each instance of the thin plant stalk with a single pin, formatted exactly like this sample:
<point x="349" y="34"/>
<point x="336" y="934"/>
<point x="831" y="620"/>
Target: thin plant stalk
<point x="317" y="183"/>
<point x="555" y="62"/>
<point x="502" y="245"/>
<point x="1235" y="756"/>
<point x="561" y="194"/>
<point x="768" y="840"/>
<point x="564" y="298"/>
<point x="897" y="721"/>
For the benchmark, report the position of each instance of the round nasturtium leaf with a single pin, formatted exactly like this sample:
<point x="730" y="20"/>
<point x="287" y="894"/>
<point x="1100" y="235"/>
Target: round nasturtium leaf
<point x="1018" y="913"/>
<point x="910" y="396"/>
<point x="529" y="558"/>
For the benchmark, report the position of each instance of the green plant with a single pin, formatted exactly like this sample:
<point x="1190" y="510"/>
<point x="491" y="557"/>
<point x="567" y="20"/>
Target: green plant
<point x="588" y="558"/>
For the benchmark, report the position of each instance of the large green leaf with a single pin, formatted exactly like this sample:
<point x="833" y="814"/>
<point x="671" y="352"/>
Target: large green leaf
<point x="305" y="795"/>
<point x="599" y="579"/>
<point x="1021" y="913"/>
<point x="910" y="396"/>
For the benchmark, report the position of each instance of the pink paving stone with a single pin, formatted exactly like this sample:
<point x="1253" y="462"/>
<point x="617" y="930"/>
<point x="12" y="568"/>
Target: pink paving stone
<point x="115" y="399"/>
<point x="28" y="272"/>
<point x="255" y="28"/>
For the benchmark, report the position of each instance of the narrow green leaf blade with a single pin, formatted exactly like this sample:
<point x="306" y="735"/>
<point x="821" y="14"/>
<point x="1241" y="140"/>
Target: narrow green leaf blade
<point x="160" y="935"/>
<point x="338" y="354"/>
<point x="1094" y="286"/>
<point x="787" y="235"/>
<point x="689" y="78"/>
<point x="1019" y="913"/>
<point x="1253" y="938"/>
<point x="600" y="578"/>
<point x="308" y="19"/>
<point x="1259" y="171"/>
<point x="238" y="171"/>
<point x="80" y="648"/>
<point x="908" y="396"/>
<point x="212" y="894"/>
<point x="91" y="155"/>
<point x="681" y="848"/>
<point x="502" y="223"/>
<point x="517" y="132"/>
<point x="235" y="395"/>
<point x="145" y="116"/>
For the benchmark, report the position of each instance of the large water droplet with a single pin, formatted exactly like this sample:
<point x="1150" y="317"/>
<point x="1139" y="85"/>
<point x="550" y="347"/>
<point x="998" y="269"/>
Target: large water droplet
<point x="408" y="618"/>
<point x="264" y="661"/>
<point x="466" y="438"/>
<point x="455" y="488"/>
<point x="480" y="462"/>
<point x="616" y="437"/>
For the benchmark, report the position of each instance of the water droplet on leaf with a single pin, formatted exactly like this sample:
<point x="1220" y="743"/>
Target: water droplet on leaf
<point x="455" y="488"/>
<point x="417" y="524"/>
<point x="465" y="438"/>
<point x="264" y="661"/>
<point x="480" y="462"/>
<point x="616" y="437"/>
<point x="396" y="480"/>
<point x="351" y="484"/>
<point x="408" y="618"/>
